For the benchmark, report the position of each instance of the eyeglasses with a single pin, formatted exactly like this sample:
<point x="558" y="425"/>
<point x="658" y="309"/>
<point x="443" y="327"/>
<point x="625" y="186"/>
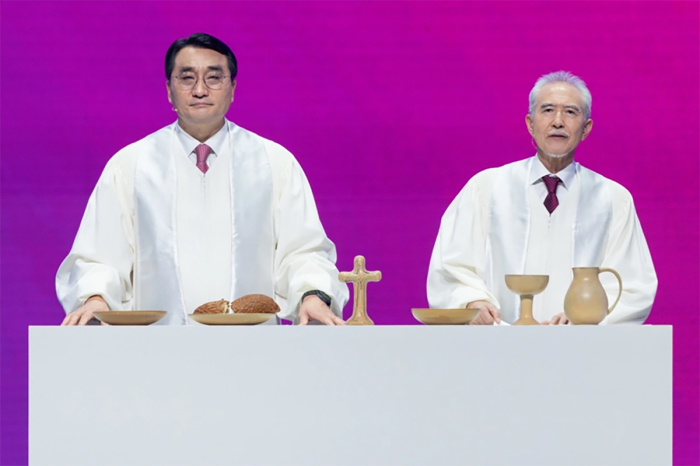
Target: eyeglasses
<point x="214" y="81"/>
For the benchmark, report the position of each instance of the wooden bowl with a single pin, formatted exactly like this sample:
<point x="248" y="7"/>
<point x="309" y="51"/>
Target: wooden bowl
<point x="130" y="317"/>
<point x="445" y="316"/>
<point x="231" y="319"/>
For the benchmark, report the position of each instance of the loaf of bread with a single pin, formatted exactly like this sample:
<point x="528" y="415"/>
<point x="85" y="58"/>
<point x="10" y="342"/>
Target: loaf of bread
<point x="248" y="304"/>
<point x="214" y="307"/>
<point x="255" y="304"/>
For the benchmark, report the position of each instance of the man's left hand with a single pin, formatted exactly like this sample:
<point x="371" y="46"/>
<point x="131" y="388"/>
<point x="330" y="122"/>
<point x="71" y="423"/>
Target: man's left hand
<point x="559" y="319"/>
<point x="313" y="308"/>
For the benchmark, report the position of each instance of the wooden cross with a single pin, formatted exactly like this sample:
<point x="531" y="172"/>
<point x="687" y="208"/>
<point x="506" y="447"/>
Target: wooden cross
<point x="359" y="278"/>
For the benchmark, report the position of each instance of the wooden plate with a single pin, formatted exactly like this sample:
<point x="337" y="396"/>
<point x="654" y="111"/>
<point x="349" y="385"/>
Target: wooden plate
<point x="231" y="319"/>
<point x="130" y="317"/>
<point x="445" y="316"/>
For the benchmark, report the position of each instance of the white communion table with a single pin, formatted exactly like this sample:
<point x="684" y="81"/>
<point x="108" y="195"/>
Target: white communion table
<point x="365" y="395"/>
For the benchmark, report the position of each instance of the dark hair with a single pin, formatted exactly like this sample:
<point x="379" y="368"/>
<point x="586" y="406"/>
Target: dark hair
<point x="200" y="41"/>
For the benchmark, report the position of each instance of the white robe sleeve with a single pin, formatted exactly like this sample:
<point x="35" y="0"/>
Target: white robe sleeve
<point x="304" y="256"/>
<point x="101" y="259"/>
<point x="627" y="252"/>
<point x="457" y="271"/>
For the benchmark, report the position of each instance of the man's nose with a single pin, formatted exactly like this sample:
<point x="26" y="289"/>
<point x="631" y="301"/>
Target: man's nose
<point x="200" y="89"/>
<point x="558" y="121"/>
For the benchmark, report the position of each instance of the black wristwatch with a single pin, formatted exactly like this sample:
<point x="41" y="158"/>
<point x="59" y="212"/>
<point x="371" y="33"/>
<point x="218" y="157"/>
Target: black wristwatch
<point x="323" y="296"/>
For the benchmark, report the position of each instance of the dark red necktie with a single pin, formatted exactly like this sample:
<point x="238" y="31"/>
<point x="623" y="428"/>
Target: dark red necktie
<point x="551" y="202"/>
<point x="202" y="152"/>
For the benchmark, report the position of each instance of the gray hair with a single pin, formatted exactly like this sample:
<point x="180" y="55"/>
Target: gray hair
<point x="563" y="77"/>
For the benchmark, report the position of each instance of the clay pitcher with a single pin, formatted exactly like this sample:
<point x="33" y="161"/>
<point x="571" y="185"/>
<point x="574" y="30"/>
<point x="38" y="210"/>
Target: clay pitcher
<point x="586" y="301"/>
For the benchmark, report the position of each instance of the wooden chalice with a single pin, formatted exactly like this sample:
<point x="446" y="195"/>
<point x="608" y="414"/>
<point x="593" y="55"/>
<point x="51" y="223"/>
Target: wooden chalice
<point x="527" y="286"/>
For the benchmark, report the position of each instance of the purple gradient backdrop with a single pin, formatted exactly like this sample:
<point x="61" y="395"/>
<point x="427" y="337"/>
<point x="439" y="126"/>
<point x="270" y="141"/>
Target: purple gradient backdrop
<point x="389" y="107"/>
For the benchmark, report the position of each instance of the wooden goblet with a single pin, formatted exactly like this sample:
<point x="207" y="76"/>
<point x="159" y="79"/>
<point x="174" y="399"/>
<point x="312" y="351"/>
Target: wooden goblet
<point x="527" y="286"/>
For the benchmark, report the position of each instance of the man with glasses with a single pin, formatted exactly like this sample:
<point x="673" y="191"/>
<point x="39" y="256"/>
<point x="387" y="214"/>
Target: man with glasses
<point x="199" y="211"/>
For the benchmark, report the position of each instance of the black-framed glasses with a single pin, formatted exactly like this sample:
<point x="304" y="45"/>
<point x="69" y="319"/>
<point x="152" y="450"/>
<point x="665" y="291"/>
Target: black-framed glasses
<point x="214" y="81"/>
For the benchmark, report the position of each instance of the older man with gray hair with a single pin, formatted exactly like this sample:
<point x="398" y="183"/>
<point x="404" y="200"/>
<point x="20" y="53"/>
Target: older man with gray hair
<point x="542" y="215"/>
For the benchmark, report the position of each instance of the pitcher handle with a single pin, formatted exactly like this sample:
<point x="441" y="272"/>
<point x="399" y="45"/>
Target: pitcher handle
<point x="619" y="280"/>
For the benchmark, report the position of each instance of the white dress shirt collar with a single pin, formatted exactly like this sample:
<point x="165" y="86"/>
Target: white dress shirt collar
<point x="216" y="142"/>
<point x="566" y="175"/>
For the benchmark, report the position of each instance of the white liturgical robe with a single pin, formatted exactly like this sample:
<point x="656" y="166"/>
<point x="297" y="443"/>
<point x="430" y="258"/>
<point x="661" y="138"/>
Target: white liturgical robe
<point x="498" y="225"/>
<point x="158" y="233"/>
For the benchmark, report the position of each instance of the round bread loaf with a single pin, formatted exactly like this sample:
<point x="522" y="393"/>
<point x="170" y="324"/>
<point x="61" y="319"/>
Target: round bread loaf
<point x="214" y="307"/>
<point x="255" y="304"/>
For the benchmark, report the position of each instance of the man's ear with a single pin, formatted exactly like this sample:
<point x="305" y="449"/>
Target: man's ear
<point x="167" y="86"/>
<point x="587" y="129"/>
<point x="233" y="89"/>
<point x="528" y="122"/>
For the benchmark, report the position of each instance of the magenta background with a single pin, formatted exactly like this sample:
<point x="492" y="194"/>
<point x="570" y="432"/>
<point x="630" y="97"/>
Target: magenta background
<point x="389" y="107"/>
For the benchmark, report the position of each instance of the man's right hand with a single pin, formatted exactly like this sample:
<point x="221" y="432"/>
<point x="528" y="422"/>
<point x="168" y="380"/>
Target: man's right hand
<point x="85" y="312"/>
<point x="488" y="314"/>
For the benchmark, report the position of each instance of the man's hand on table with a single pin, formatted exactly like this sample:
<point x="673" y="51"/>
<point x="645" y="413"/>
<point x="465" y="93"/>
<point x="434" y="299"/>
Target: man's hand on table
<point x="488" y="314"/>
<point x="559" y="319"/>
<point x="85" y="312"/>
<point x="313" y="308"/>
